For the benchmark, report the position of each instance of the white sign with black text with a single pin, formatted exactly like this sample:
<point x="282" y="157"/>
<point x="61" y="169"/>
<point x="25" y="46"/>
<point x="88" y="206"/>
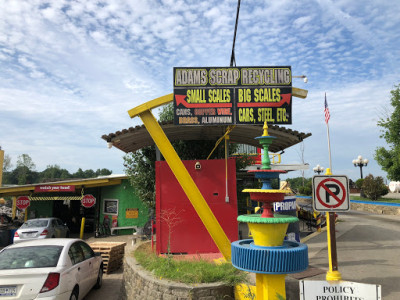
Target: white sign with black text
<point x="331" y="193"/>
<point x="338" y="290"/>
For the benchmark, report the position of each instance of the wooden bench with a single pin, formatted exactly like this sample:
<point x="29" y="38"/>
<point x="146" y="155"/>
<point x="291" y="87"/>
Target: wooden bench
<point x="112" y="229"/>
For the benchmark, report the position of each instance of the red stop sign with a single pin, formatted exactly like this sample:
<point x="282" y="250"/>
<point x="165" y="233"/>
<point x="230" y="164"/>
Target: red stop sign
<point x="23" y="202"/>
<point x="88" y="201"/>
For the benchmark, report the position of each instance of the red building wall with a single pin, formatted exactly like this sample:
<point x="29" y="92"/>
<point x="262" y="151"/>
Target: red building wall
<point x="188" y="234"/>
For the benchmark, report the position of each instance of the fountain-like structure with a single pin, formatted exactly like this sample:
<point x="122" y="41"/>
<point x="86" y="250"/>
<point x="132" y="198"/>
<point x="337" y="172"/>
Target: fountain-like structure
<point x="268" y="255"/>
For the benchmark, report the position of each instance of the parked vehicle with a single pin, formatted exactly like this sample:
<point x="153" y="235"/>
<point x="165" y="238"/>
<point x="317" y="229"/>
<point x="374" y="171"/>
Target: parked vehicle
<point x="51" y="269"/>
<point x="41" y="229"/>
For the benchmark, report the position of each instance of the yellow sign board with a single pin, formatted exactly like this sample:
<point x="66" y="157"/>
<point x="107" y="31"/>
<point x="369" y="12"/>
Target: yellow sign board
<point x="131" y="213"/>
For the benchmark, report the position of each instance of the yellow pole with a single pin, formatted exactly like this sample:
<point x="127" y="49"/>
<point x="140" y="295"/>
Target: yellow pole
<point x="1" y="166"/>
<point x="333" y="272"/>
<point x="82" y="227"/>
<point x="14" y="207"/>
<point x="270" y="286"/>
<point x="187" y="183"/>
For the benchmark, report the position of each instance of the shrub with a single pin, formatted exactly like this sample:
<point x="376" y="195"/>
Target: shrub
<point x="373" y="187"/>
<point x="359" y="183"/>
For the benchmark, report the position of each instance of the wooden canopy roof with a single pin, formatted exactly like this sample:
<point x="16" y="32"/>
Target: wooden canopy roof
<point x="135" y="138"/>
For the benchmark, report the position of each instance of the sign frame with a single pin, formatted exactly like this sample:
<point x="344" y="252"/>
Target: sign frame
<point x="322" y="193"/>
<point x="319" y="289"/>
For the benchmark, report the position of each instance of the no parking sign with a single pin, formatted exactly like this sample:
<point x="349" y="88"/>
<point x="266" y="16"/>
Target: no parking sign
<point x="331" y="193"/>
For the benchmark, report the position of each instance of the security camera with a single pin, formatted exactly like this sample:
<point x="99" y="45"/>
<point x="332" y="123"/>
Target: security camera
<point x="197" y="166"/>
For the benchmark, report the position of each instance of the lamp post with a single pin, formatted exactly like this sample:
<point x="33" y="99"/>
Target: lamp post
<point x="318" y="169"/>
<point x="360" y="162"/>
<point x="305" y="79"/>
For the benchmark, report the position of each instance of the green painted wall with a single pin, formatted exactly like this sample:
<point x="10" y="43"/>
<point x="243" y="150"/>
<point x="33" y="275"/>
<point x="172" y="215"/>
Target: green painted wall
<point x="39" y="209"/>
<point x="127" y="199"/>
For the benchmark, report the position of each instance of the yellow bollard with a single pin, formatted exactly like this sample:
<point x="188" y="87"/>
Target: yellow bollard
<point x="82" y="227"/>
<point x="270" y="286"/>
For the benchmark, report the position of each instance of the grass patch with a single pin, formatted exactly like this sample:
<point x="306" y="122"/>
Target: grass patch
<point x="198" y="271"/>
<point x="389" y="200"/>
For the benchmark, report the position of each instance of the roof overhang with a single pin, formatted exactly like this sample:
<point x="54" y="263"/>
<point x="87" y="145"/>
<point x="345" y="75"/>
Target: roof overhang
<point x="22" y="190"/>
<point x="135" y="138"/>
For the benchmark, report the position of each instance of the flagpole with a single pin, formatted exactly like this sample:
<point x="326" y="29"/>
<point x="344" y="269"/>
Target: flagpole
<point x="327" y="117"/>
<point x="329" y="147"/>
<point x="333" y="273"/>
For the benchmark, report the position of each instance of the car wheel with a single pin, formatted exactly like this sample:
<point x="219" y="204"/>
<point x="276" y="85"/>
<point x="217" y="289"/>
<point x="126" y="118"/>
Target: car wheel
<point x="99" y="281"/>
<point x="74" y="295"/>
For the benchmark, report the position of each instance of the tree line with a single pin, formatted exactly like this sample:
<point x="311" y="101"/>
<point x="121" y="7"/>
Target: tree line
<point x="25" y="172"/>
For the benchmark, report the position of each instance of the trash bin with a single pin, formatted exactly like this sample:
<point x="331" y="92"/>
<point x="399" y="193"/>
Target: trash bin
<point x="4" y="237"/>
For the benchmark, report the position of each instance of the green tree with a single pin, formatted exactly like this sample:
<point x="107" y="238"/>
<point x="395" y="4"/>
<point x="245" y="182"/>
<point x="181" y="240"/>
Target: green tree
<point x="103" y="172"/>
<point x="7" y="165"/>
<point x="359" y="183"/>
<point x="25" y="170"/>
<point x="373" y="187"/>
<point x="53" y="173"/>
<point x="389" y="158"/>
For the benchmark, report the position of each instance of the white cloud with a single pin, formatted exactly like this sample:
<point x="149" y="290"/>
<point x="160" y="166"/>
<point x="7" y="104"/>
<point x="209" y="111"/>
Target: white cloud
<point x="71" y="70"/>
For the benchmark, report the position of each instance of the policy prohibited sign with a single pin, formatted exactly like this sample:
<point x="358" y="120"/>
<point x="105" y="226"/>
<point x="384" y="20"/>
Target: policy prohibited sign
<point x="331" y="193"/>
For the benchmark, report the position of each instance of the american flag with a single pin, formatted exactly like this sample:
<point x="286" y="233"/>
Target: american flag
<point x="326" y="111"/>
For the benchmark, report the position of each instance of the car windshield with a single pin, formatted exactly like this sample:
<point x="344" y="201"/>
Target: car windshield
<point x="35" y="223"/>
<point x="30" y="257"/>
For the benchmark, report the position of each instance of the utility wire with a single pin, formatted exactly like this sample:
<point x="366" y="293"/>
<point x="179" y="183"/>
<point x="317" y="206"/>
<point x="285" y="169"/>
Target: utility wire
<point x="233" y="60"/>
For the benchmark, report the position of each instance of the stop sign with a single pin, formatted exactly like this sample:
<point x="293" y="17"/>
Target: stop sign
<point x="88" y="201"/>
<point x="23" y="202"/>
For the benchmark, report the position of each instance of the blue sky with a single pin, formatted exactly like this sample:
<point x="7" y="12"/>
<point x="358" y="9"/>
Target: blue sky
<point x="70" y="70"/>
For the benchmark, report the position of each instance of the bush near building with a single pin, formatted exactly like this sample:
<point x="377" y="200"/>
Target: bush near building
<point x="374" y="187"/>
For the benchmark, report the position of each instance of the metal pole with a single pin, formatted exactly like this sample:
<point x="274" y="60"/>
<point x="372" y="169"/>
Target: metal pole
<point x="329" y="148"/>
<point x="333" y="272"/>
<point x="361" y="171"/>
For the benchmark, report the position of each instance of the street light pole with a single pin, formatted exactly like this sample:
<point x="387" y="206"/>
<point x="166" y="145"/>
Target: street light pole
<point x="318" y="169"/>
<point x="360" y="162"/>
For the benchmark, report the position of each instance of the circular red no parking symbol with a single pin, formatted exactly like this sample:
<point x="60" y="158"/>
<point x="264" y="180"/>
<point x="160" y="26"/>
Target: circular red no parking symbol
<point x="325" y="186"/>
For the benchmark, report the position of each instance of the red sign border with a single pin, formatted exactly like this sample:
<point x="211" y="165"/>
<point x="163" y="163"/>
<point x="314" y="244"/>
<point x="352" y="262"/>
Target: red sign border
<point x="24" y="197"/>
<point x="323" y="203"/>
<point x="86" y="196"/>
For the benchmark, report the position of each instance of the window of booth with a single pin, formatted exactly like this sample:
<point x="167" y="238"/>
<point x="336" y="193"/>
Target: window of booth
<point x="110" y="207"/>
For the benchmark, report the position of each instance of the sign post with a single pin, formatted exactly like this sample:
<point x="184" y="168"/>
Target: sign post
<point x="331" y="194"/>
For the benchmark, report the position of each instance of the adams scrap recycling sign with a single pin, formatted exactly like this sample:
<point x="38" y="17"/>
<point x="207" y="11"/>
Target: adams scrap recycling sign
<point x="235" y="95"/>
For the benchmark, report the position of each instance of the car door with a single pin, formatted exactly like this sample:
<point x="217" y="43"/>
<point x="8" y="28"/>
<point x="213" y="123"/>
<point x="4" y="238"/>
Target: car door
<point x="82" y="267"/>
<point x="61" y="228"/>
<point x="92" y="262"/>
<point x="53" y="228"/>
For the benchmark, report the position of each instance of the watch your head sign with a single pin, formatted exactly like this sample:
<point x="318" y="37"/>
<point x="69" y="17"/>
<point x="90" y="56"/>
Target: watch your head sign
<point x="235" y="95"/>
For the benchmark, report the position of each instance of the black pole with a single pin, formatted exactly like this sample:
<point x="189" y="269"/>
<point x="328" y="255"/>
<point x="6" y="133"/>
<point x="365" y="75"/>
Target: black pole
<point x="361" y="171"/>
<point x="233" y="58"/>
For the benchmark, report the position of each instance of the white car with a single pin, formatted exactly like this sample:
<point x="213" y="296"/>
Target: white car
<point x="41" y="228"/>
<point x="49" y="269"/>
